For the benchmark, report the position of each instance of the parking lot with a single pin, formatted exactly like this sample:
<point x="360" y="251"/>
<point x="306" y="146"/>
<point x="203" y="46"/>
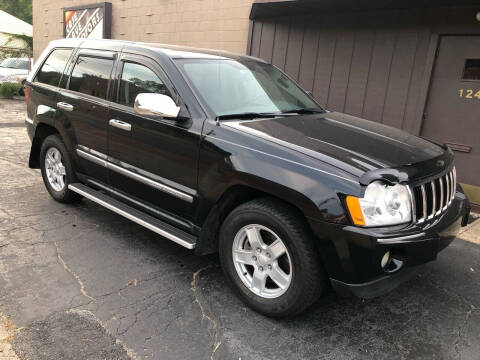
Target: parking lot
<point x="79" y="282"/>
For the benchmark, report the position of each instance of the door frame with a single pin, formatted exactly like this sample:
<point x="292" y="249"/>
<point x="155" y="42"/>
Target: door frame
<point x="430" y="65"/>
<point x="473" y="192"/>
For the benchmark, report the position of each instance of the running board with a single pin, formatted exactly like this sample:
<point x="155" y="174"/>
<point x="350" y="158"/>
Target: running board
<point x="162" y="228"/>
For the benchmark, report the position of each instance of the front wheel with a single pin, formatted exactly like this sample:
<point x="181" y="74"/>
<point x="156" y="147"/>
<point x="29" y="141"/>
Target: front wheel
<point x="269" y="259"/>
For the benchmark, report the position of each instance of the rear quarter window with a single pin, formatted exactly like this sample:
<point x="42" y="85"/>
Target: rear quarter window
<point x="52" y="69"/>
<point x="90" y="76"/>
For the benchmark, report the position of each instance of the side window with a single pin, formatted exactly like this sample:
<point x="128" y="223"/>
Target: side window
<point x="90" y="76"/>
<point x="138" y="79"/>
<point x="52" y="69"/>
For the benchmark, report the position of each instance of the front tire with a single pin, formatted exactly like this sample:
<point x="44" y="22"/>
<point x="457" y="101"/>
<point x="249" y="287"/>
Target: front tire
<point x="57" y="170"/>
<point x="269" y="259"/>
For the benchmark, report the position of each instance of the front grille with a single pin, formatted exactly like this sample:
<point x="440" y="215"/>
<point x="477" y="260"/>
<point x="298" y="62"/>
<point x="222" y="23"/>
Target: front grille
<point x="433" y="197"/>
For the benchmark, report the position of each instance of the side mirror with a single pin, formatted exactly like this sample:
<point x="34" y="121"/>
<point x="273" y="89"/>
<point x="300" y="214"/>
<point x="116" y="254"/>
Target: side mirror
<point x="156" y="105"/>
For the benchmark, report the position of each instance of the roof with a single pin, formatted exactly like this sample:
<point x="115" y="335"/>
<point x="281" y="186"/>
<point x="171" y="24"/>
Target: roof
<point x="11" y="25"/>
<point x="274" y="8"/>
<point x="172" y="51"/>
<point x="186" y="52"/>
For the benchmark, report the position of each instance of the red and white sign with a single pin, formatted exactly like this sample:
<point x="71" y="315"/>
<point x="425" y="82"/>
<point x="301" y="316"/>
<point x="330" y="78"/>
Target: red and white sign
<point x="86" y="22"/>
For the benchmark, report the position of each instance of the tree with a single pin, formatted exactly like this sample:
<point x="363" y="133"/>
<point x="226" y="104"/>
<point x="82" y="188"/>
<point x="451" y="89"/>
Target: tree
<point x="21" y="9"/>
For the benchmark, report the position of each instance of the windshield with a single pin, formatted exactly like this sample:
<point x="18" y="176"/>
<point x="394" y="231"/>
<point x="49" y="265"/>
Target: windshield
<point x="231" y="87"/>
<point x="15" y="64"/>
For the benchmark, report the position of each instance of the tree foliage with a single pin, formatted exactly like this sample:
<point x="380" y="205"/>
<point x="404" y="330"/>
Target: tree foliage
<point x="10" y="89"/>
<point x="21" y="9"/>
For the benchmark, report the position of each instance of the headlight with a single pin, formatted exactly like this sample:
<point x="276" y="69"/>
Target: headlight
<point x="381" y="205"/>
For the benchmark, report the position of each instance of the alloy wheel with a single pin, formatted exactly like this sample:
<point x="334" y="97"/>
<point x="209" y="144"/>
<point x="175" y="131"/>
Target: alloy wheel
<point x="262" y="261"/>
<point x="55" y="169"/>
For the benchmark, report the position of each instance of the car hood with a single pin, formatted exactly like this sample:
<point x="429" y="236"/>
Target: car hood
<point x="353" y="144"/>
<point x="4" y="72"/>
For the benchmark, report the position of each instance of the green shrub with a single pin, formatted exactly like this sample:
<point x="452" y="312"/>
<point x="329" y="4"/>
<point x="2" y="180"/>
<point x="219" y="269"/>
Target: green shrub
<point x="9" y="89"/>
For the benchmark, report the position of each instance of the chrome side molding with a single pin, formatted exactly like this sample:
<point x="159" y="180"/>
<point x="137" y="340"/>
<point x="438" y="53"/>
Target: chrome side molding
<point x="103" y="161"/>
<point x="401" y="239"/>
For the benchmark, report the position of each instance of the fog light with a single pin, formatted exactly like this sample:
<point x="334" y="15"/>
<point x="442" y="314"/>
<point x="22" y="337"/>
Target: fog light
<point x="385" y="259"/>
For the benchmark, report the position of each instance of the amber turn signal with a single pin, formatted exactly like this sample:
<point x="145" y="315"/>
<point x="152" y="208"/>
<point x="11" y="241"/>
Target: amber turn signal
<point x="355" y="211"/>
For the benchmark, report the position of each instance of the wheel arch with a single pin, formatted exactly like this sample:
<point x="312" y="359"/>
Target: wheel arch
<point x="231" y="198"/>
<point x="42" y="131"/>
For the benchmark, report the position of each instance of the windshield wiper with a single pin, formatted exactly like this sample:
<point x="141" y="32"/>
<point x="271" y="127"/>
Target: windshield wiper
<point x="303" y="111"/>
<point x="248" y="115"/>
<point x="256" y="115"/>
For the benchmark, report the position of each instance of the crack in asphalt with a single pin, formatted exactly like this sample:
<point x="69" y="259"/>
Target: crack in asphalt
<point x="131" y="353"/>
<point x="216" y="344"/>
<point x="75" y="276"/>
<point x="451" y="293"/>
<point x="145" y="308"/>
<point x="461" y="332"/>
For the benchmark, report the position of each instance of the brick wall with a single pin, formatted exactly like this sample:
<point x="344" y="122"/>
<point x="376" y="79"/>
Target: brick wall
<point x="218" y="24"/>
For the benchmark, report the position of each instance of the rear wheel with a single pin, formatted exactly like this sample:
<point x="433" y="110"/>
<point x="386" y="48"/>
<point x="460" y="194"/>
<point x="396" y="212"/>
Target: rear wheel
<point x="21" y="92"/>
<point x="268" y="256"/>
<point x="57" y="170"/>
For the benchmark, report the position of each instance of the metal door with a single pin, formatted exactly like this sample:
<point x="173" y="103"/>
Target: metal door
<point x="155" y="159"/>
<point x="85" y="109"/>
<point x="452" y="114"/>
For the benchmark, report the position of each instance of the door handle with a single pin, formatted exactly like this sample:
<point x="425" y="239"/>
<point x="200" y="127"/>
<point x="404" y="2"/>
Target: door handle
<point x="120" y="124"/>
<point x="65" y="106"/>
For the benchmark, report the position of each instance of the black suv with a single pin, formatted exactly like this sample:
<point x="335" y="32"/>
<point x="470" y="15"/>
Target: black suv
<point x="223" y="152"/>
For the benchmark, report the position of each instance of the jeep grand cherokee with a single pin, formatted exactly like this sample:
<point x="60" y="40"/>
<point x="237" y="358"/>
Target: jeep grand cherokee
<point x="223" y="152"/>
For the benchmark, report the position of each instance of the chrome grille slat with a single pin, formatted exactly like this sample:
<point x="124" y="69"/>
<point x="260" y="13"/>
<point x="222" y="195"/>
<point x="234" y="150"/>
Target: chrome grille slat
<point x="440" y="204"/>
<point x="413" y="204"/>
<point x="424" y="201"/>
<point x="454" y="172"/>
<point x="433" y="197"/>
<point x="453" y="186"/>
<point x="447" y="180"/>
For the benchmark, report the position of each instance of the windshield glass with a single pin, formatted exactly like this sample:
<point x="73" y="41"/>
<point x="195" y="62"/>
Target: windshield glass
<point x="15" y="64"/>
<point x="244" y="86"/>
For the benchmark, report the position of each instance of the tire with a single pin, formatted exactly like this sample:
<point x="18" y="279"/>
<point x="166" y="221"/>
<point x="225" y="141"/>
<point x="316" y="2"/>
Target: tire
<point x="303" y="279"/>
<point x="21" y="92"/>
<point x="59" y="191"/>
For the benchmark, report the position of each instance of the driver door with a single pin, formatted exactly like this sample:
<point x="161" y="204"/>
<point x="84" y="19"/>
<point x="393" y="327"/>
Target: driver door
<point x="154" y="159"/>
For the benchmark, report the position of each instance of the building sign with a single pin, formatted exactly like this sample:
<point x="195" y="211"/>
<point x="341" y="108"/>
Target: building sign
<point x="89" y="21"/>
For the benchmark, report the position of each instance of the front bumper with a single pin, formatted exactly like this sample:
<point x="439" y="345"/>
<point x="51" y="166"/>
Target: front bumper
<point x="352" y="255"/>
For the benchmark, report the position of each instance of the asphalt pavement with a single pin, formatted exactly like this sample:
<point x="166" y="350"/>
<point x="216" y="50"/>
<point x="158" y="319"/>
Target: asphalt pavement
<point x="79" y="282"/>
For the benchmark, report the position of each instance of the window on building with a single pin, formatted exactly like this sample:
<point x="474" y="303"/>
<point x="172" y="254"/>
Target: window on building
<point x="90" y="76"/>
<point x="138" y="79"/>
<point x="472" y="69"/>
<point x="52" y="69"/>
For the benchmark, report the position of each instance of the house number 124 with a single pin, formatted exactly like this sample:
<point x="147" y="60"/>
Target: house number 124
<point x="468" y="93"/>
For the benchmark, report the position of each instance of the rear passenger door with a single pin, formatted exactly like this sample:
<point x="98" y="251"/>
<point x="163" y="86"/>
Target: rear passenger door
<point x="85" y="109"/>
<point x="43" y="94"/>
<point x="155" y="158"/>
